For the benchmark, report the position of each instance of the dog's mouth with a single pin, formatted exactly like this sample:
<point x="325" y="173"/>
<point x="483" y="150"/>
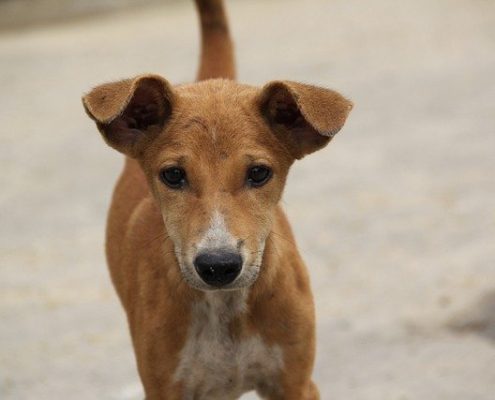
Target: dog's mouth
<point x="218" y="259"/>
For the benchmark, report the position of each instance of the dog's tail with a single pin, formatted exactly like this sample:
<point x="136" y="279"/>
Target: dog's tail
<point x="217" y="50"/>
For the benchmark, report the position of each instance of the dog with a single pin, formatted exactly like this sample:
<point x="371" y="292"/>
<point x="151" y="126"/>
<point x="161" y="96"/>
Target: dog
<point x="202" y="257"/>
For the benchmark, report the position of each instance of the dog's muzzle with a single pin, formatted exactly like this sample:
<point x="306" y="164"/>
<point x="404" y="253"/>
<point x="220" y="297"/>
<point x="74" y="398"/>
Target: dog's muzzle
<point x="218" y="267"/>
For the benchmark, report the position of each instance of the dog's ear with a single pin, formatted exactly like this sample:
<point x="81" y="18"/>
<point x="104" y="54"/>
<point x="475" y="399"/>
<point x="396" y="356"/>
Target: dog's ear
<point x="130" y="113"/>
<point x="304" y="117"/>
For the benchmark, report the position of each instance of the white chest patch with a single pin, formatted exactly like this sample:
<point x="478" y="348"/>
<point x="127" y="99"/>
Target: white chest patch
<point x="215" y="366"/>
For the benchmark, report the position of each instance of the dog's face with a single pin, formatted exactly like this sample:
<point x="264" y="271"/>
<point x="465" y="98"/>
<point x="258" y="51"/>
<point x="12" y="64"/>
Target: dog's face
<point x="216" y="155"/>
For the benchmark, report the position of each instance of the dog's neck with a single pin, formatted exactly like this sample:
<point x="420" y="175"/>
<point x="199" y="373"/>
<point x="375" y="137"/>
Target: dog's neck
<point x="215" y="338"/>
<point x="221" y="307"/>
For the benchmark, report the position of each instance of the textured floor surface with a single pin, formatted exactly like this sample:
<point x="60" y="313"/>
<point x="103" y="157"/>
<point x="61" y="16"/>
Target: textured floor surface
<point x="396" y="218"/>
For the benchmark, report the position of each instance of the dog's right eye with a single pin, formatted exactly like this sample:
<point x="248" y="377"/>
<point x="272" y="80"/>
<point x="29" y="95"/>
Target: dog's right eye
<point x="173" y="177"/>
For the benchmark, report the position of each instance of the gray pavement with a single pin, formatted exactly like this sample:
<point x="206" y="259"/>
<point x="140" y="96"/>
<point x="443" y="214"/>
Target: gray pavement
<point x="396" y="218"/>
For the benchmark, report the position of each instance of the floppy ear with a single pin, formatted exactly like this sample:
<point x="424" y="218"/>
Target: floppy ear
<point x="130" y="113"/>
<point x="304" y="117"/>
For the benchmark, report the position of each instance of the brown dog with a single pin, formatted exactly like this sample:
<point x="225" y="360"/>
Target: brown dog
<point x="200" y="252"/>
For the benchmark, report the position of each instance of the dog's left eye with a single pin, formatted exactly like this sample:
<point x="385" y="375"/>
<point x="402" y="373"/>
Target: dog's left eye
<point x="258" y="175"/>
<point x="173" y="177"/>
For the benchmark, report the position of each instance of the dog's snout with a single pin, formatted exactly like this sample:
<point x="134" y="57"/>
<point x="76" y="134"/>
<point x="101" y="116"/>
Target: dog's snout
<point x="218" y="268"/>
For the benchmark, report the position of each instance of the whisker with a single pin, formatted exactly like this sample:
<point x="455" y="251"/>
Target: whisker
<point x="283" y="237"/>
<point x="162" y="235"/>
<point x="274" y="245"/>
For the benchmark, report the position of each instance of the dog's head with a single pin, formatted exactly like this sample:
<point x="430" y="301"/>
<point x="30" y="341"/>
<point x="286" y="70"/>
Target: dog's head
<point x="216" y="155"/>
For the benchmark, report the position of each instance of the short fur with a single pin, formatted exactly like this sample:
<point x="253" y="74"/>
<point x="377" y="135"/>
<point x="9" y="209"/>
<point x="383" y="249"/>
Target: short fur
<point x="257" y="333"/>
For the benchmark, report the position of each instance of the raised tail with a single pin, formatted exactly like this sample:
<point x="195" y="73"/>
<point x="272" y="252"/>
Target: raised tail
<point x="217" y="50"/>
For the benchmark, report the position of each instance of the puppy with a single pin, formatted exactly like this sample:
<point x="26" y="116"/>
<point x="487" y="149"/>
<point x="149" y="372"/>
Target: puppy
<point x="200" y="252"/>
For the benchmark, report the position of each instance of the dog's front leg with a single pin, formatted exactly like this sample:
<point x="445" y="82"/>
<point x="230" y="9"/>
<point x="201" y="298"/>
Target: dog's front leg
<point x="156" y="369"/>
<point x="294" y="381"/>
<point x="309" y="391"/>
<point x="297" y="391"/>
<point x="157" y="336"/>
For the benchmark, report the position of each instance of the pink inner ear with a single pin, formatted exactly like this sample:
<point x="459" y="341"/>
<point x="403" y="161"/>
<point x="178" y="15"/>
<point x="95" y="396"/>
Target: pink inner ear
<point x="143" y="117"/>
<point x="286" y="113"/>
<point x="147" y="107"/>
<point x="290" y="124"/>
<point x="282" y="109"/>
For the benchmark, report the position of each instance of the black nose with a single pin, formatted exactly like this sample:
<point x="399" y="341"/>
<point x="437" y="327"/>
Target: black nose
<point x="218" y="268"/>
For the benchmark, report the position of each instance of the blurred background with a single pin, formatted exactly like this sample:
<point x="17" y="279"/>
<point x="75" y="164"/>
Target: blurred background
<point x="395" y="219"/>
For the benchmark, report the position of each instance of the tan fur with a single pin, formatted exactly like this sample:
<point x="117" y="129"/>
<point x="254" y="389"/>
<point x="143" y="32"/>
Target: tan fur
<point x="214" y="129"/>
<point x="217" y="53"/>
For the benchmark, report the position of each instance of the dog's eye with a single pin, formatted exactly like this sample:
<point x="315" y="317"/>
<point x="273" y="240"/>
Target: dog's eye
<point x="257" y="176"/>
<point x="173" y="177"/>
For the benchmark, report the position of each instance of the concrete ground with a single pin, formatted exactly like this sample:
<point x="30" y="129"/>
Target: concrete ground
<point x="15" y="14"/>
<point x="396" y="218"/>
